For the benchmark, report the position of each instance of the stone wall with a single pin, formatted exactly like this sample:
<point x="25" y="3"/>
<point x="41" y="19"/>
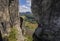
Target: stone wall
<point x="47" y="14"/>
<point x="9" y="18"/>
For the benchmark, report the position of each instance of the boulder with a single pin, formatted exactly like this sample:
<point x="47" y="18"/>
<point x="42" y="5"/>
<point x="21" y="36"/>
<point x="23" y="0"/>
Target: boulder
<point x="47" y="14"/>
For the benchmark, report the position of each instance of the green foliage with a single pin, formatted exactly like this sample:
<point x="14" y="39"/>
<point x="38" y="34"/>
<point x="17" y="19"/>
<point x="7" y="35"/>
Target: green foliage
<point x="29" y="38"/>
<point x="30" y="18"/>
<point x="12" y="35"/>
<point x="31" y="24"/>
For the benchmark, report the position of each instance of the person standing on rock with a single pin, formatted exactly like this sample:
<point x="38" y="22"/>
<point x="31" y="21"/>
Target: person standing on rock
<point x="21" y="22"/>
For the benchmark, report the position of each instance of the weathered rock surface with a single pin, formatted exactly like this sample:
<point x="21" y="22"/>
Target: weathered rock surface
<point x="9" y="17"/>
<point x="47" y="13"/>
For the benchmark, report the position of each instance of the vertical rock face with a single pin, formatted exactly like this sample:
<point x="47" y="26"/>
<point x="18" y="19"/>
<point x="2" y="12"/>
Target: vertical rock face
<point x="4" y="15"/>
<point x="47" y="13"/>
<point x="9" y="17"/>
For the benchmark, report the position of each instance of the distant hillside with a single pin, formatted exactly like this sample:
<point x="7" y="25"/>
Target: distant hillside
<point x="25" y="13"/>
<point x="29" y="16"/>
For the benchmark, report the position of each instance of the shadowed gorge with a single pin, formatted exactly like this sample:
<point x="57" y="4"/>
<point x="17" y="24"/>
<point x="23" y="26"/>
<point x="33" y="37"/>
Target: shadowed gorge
<point x="13" y="27"/>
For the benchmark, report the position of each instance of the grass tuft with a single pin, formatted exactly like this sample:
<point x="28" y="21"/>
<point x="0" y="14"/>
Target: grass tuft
<point x="12" y="34"/>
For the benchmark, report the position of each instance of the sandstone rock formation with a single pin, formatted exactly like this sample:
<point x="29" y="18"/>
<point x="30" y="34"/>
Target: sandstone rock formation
<point x="47" y="14"/>
<point x="9" y="18"/>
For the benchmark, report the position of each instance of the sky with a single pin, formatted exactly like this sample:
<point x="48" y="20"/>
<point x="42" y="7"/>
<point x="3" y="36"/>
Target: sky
<point x="24" y="5"/>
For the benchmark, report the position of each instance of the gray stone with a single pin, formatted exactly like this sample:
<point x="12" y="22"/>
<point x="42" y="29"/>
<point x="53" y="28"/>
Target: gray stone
<point x="9" y="18"/>
<point x="47" y="14"/>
